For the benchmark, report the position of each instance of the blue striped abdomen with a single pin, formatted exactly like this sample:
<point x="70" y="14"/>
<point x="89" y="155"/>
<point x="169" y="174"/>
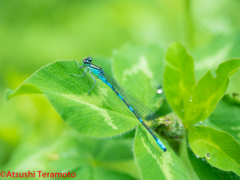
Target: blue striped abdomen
<point x="162" y="146"/>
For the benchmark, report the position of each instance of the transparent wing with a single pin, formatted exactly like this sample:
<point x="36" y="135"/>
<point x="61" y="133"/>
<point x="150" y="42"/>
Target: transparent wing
<point x="138" y="106"/>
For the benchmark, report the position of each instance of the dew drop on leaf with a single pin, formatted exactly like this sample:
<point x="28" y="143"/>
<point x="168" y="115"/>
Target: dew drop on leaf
<point x="208" y="155"/>
<point x="159" y="91"/>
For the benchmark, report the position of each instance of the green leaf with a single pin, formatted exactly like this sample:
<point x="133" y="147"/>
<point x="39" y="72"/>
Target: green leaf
<point x="140" y="71"/>
<point x="209" y="90"/>
<point x="220" y="149"/>
<point x="194" y="103"/>
<point x="179" y="79"/>
<point x="226" y="117"/>
<point x="205" y="171"/>
<point x="100" y="114"/>
<point x="87" y="157"/>
<point x="153" y="163"/>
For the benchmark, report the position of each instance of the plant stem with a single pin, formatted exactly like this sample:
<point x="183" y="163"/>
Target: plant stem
<point x="189" y="25"/>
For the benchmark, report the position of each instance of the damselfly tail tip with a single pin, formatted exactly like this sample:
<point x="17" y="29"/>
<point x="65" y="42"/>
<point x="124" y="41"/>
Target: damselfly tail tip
<point x="165" y="149"/>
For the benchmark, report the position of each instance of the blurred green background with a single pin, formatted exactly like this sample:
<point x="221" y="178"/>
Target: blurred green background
<point x="35" y="33"/>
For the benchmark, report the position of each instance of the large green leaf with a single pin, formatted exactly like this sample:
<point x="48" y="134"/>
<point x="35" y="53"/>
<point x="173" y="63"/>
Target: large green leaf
<point x="179" y="79"/>
<point x="220" y="149"/>
<point x="209" y="90"/>
<point x="100" y="114"/>
<point x="205" y="171"/>
<point x="226" y="117"/>
<point x="153" y="163"/>
<point x="88" y="158"/>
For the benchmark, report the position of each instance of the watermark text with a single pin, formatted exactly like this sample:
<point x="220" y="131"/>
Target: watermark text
<point x="39" y="174"/>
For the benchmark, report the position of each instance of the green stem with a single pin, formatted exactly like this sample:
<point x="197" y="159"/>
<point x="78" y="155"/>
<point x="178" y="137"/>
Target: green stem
<point x="189" y="24"/>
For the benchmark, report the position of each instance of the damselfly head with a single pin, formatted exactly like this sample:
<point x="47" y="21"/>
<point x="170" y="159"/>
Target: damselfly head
<point x="87" y="60"/>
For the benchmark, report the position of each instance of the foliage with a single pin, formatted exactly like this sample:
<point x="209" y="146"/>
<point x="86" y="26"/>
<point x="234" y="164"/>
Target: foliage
<point x="34" y="134"/>
<point x="103" y="114"/>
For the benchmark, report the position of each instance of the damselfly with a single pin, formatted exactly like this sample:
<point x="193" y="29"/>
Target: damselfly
<point x="136" y="106"/>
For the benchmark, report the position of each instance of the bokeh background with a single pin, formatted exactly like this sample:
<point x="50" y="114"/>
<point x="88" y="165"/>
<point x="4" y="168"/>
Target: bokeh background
<point x="35" y="33"/>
